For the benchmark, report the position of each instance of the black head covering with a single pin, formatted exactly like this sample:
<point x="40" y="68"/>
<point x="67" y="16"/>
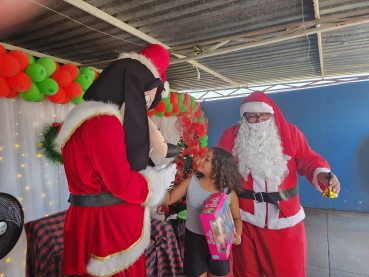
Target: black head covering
<point x="125" y="81"/>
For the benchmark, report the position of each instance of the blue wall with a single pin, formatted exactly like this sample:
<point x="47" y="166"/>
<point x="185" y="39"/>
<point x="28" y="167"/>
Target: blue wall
<point x="335" y="121"/>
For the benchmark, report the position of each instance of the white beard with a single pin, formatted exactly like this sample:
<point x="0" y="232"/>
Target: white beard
<point x="261" y="152"/>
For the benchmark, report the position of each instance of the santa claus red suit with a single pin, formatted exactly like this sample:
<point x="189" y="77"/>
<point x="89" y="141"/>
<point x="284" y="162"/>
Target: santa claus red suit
<point x="105" y="151"/>
<point x="269" y="154"/>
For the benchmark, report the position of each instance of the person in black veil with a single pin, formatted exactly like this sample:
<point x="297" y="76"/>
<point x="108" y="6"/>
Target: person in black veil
<point x="106" y="147"/>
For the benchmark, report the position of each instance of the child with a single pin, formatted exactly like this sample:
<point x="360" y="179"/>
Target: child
<point x="217" y="172"/>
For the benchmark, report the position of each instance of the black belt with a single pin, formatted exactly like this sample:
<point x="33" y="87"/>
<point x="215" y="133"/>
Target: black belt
<point x="94" y="200"/>
<point x="270" y="197"/>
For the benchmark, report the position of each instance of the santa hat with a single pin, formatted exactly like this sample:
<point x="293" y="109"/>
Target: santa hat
<point x="160" y="58"/>
<point x="258" y="101"/>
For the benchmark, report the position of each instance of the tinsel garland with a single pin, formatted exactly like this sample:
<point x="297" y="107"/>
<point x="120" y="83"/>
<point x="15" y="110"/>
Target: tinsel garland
<point x="47" y="144"/>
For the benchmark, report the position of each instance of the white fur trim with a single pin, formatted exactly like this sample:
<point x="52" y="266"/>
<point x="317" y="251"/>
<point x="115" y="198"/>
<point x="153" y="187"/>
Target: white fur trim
<point x="276" y="223"/>
<point x="157" y="188"/>
<point x="142" y="59"/>
<point x="256" y="107"/>
<point x="166" y="91"/>
<point x="105" y="268"/>
<point x="81" y="113"/>
<point x="315" y="178"/>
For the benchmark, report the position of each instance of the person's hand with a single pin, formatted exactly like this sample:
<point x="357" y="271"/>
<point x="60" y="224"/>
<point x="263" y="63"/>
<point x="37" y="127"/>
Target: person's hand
<point x="333" y="184"/>
<point x="237" y="239"/>
<point x="168" y="173"/>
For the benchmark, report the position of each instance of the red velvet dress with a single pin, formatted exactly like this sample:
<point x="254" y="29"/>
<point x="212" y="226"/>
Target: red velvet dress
<point x="95" y="162"/>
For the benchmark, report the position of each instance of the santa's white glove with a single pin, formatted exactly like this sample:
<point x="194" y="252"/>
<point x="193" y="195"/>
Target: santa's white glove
<point x="168" y="174"/>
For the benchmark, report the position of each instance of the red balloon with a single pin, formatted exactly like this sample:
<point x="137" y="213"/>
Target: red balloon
<point x="168" y="114"/>
<point x="9" y="66"/>
<point x="96" y="75"/>
<point x="180" y="114"/>
<point x="66" y="101"/>
<point x="12" y="93"/>
<point x="173" y="98"/>
<point x="151" y="113"/>
<point x="21" y="57"/>
<point x="20" y="82"/>
<point x="57" y="65"/>
<point x="4" y="87"/>
<point x="72" y="69"/>
<point x="176" y="108"/>
<point x="161" y="107"/>
<point x="74" y="90"/>
<point x="62" y="77"/>
<point x="59" y="97"/>
<point x="2" y="50"/>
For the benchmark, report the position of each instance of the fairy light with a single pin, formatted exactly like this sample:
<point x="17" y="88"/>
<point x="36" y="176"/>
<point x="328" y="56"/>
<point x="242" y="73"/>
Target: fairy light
<point x="16" y="123"/>
<point x="45" y="164"/>
<point x="19" y="175"/>
<point x="50" y="203"/>
<point x="45" y="175"/>
<point x="25" y="251"/>
<point x="43" y="195"/>
<point x="56" y="181"/>
<point x="20" y="198"/>
<point x="17" y="145"/>
<point x="19" y="112"/>
<point x="23" y="165"/>
<point x="39" y="155"/>
<point x="1" y="148"/>
<point x="36" y="123"/>
<point x="23" y="155"/>
<point x="27" y="188"/>
<point x="47" y="215"/>
<point x="16" y="133"/>
<point x="55" y="115"/>
<point x="8" y="260"/>
<point x="1" y="158"/>
<point x="2" y="274"/>
<point x="13" y="100"/>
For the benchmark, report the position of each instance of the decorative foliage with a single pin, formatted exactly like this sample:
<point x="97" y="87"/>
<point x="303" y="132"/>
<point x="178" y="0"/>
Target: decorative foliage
<point x="47" y="144"/>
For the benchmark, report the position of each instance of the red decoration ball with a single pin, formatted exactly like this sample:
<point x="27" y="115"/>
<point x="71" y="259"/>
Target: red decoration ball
<point x="12" y="93"/>
<point x="176" y="108"/>
<point x="72" y="69"/>
<point x="62" y="77"/>
<point x="151" y="113"/>
<point x="21" y="57"/>
<point x="168" y="114"/>
<point x="20" y="82"/>
<point x="173" y="98"/>
<point x="73" y="90"/>
<point x="9" y="66"/>
<point x="4" y="87"/>
<point x="57" y="65"/>
<point x="161" y="107"/>
<point x="59" y="97"/>
<point x="66" y="101"/>
<point x="2" y="50"/>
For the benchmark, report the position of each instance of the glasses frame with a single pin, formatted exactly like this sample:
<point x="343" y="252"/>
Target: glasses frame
<point x="257" y="117"/>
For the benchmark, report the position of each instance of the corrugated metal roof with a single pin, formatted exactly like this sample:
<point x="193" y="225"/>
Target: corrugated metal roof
<point x="177" y="23"/>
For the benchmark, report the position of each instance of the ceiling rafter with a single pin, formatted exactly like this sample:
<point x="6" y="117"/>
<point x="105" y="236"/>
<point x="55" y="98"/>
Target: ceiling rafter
<point x="319" y="35"/>
<point x="133" y="31"/>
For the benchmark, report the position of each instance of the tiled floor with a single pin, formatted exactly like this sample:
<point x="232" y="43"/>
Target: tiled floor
<point x="337" y="243"/>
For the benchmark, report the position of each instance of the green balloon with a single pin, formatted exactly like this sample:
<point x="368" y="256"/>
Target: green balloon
<point x="203" y="143"/>
<point x="202" y="114"/>
<point x="202" y="119"/>
<point x="159" y="114"/>
<point x="41" y="98"/>
<point x="192" y="99"/>
<point x="183" y="109"/>
<point x="78" y="99"/>
<point x="84" y="80"/>
<point x="195" y="109"/>
<point x="205" y="137"/>
<point x="169" y="108"/>
<point x="48" y="86"/>
<point x="88" y="71"/>
<point x="195" y="119"/>
<point x="180" y="96"/>
<point x="166" y="101"/>
<point x="32" y="94"/>
<point x="36" y="72"/>
<point x="180" y="102"/>
<point x="31" y="59"/>
<point x="175" y="114"/>
<point x="48" y="64"/>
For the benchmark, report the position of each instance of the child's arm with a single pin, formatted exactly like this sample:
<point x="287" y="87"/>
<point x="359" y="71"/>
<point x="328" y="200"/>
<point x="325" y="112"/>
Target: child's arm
<point x="176" y="194"/>
<point x="235" y="210"/>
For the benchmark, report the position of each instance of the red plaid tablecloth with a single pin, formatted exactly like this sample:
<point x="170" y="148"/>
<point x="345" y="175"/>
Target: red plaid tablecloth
<point x="45" y="248"/>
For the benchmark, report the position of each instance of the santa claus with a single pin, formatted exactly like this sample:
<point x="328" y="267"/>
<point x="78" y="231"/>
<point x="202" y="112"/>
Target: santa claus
<point x="106" y="144"/>
<point x="269" y="152"/>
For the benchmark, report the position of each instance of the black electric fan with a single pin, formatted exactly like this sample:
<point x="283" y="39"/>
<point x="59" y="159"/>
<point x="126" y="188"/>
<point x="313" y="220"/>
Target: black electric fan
<point x="11" y="223"/>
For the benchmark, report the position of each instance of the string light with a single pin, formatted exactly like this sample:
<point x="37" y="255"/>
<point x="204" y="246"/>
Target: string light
<point x="55" y="115"/>
<point x="7" y="260"/>
<point x="2" y="274"/>
<point x="56" y="181"/>
<point x="36" y="123"/>
<point x="47" y="215"/>
<point x="16" y="133"/>
<point x="23" y="155"/>
<point x="19" y="112"/>
<point x="13" y="100"/>
<point x="17" y="145"/>
<point x="25" y="251"/>
<point x="1" y="148"/>
<point x="23" y="165"/>
<point x="19" y="175"/>
<point x="16" y="123"/>
<point x="45" y="164"/>
<point x="39" y="155"/>
<point x="1" y="158"/>
<point x="20" y="198"/>
<point x="43" y="195"/>
<point x="50" y="203"/>
<point x="27" y="188"/>
<point x="45" y="175"/>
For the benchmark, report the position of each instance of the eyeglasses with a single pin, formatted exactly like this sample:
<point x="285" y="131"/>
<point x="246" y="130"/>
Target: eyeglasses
<point x="252" y="118"/>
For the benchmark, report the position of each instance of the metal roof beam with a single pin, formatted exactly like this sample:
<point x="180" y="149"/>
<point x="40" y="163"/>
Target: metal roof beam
<point x="280" y="38"/>
<point x="319" y="35"/>
<point x="133" y="31"/>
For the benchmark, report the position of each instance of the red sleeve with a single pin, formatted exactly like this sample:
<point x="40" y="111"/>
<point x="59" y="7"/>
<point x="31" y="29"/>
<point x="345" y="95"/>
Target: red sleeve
<point x="107" y="149"/>
<point x="306" y="159"/>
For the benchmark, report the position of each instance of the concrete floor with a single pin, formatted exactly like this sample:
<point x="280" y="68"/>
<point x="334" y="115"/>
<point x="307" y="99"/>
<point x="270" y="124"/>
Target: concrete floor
<point x="337" y="243"/>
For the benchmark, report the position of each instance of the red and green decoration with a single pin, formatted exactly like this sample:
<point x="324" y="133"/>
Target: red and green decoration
<point x="34" y="80"/>
<point x="47" y="144"/>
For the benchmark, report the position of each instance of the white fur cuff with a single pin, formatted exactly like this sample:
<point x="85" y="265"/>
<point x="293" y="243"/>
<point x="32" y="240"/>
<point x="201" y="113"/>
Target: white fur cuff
<point x="156" y="186"/>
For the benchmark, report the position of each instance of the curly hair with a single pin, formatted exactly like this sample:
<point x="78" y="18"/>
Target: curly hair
<point x="224" y="171"/>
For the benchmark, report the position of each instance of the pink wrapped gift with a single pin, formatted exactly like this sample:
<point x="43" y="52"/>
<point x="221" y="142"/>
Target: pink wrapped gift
<point x="218" y="226"/>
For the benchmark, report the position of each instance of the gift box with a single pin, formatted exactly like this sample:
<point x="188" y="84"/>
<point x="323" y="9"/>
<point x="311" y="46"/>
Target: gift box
<point x="218" y="226"/>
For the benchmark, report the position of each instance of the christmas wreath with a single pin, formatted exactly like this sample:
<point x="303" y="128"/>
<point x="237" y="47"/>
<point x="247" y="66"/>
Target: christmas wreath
<point x="47" y="144"/>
